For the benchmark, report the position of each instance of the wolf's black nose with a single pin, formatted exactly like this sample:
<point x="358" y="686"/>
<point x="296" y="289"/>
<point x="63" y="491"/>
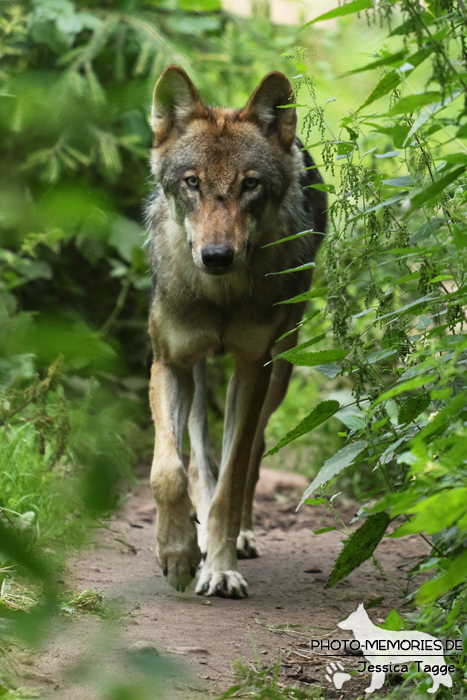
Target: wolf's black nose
<point x="217" y="257"/>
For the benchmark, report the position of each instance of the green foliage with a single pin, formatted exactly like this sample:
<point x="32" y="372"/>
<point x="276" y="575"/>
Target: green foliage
<point x="359" y="546"/>
<point x="393" y="299"/>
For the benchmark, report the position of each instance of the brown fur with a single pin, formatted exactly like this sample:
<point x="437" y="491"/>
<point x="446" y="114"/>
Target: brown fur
<point x="229" y="182"/>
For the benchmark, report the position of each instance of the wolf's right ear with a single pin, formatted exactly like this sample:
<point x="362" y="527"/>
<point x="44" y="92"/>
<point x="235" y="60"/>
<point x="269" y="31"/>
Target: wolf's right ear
<point x="175" y="103"/>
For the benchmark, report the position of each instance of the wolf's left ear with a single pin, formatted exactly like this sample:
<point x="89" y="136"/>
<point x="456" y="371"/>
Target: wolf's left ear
<point x="262" y="108"/>
<point x="175" y="103"/>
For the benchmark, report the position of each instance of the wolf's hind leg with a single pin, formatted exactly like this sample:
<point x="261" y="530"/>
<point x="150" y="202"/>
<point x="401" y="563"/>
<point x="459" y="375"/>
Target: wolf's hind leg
<point x="245" y="397"/>
<point x="171" y="393"/>
<point x="246" y="542"/>
<point x="203" y="469"/>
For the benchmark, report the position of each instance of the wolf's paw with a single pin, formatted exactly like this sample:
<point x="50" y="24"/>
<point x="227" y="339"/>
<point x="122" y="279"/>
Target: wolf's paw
<point x="335" y="676"/>
<point x="178" y="553"/>
<point x="226" y="584"/>
<point x="246" y="545"/>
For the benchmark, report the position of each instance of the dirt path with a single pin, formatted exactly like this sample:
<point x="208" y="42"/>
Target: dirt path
<point x="288" y="604"/>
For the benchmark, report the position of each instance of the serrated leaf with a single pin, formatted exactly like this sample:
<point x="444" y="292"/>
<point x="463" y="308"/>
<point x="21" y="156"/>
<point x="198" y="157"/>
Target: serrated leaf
<point x="300" y="268"/>
<point x="405" y="181"/>
<point x="323" y="188"/>
<point x="455" y="574"/>
<point x="306" y="296"/>
<point x="330" y="370"/>
<point x="389" y="154"/>
<point x="426" y="229"/>
<point x="350" y="8"/>
<point x="359" y="547"/>
<point x="321" y="413"/>
<point x="311" y="359"/>
<point x="423" y="322"/>
<point x="380" y="205"/>
<point x="411" y="102"/>
<point x="436" y="188"/>
<point x="315" y="501"/>
<point x="386" y="84"/>
<point x="323" y="530"/>
<point x="413" y="407"/>
<point x="387" y="61"/>
<point x="352" y="422"/>
<point x="435" y="513"/>
<point x="408" y="385"/>
<point x="393" y="622"/>
<point x="342" y="459"/>
<point x="289" y="353"/>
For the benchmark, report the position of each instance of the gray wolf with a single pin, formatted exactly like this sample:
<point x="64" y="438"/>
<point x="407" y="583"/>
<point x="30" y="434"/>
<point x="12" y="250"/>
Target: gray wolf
<point x="385" y="648"/>
<point x="228" y="182"/>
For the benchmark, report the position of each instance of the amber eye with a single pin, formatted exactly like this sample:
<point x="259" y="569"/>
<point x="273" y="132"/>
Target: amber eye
<point x="250" y="183"/>
<point x="192" y="181"/>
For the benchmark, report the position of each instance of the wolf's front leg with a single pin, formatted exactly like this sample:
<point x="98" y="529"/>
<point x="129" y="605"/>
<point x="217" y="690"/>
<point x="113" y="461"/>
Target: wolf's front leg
<point x="171" y="394"/>
<point x="377" y="681"/>
<point x="247" y="390"/>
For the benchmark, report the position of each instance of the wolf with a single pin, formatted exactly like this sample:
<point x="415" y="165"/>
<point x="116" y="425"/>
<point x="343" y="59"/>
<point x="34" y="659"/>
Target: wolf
<point x="229" y="182"/>
<point x="385" y="648"/>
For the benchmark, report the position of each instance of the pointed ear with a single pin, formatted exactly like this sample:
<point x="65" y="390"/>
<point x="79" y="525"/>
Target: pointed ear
<point x="262" y="109"/>
<point x="175" y="103"/>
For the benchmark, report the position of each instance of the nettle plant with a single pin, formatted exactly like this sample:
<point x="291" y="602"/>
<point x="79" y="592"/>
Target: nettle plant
<point x="391" y="316"/>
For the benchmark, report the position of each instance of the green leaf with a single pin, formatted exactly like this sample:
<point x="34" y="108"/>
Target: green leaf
<point x="393" y="622"/>
<point x="387" y="61"/>
<point x="323" y="530"/>
<point x="321" y="413"/>
<point x="200" y="5"/>
<point x="290" y="238"/>
<point x="429" y="112"/>
<point x="451" y="409"/>
<point x="350" y="8"/>
<point x="289" y="353"/>
<point x="456" y="574"/>
<point x="311" y="359"/>
<point x="342" y="459"/>
<point x="408" y="385"/>
<point x="323" y="188"/>
<point x="300" y="268"/>
<point x="380" y="205"/>
<point x="435" y="513"/>
<point x="413" y="102"/>
<point x="359" y="547"/>
<point x="315" y="501"/>
<point x="405" y="181"/>
<point x="330" y="370"/>
<point x="412" y="408"/>
<point x="426" y="229"/>
<point x="436" y="188"/>
<point x="306" y="296"/>
<point x="386" y="84"/>
<point x="432" y="297"/>
<point x="352" y="422"/>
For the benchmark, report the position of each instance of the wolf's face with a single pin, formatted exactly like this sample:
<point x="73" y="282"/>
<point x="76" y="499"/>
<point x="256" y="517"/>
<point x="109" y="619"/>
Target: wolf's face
<point x="224" y="172"/>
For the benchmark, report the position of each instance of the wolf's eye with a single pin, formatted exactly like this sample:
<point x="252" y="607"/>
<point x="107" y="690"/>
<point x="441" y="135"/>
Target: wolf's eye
<point x="192" y="181"/>
<point x="250" y="183"/>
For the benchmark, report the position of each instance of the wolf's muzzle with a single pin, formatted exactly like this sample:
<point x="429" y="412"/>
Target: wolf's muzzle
<point x="217" y="258"/>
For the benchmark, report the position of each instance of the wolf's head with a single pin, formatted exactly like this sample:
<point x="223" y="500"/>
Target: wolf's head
<point x="355" y="619"/>
<point x="224" y="172"/>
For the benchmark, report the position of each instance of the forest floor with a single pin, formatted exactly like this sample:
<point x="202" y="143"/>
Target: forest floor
<point x="196" y="640"/>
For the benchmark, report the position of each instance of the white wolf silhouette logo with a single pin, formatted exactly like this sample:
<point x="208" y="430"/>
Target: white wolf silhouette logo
<point x="384" y="648"/>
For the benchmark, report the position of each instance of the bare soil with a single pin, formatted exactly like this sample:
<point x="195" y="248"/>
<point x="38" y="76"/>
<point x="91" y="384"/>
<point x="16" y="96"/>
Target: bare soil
<point x="288" y="604"/>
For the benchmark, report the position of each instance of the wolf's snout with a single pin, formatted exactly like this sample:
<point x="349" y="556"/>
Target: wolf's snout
<point x="217" y="258"/>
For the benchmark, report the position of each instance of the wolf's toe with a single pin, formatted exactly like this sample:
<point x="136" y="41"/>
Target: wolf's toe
<point x="246" y="545"/>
